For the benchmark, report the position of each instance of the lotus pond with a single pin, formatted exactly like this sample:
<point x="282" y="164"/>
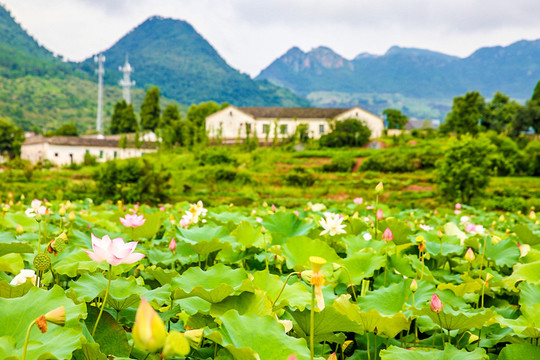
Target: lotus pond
<point x="360" y="280"/>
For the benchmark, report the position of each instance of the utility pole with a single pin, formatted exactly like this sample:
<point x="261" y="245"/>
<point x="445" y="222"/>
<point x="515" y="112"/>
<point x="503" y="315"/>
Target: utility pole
<point x="100" y="59"/>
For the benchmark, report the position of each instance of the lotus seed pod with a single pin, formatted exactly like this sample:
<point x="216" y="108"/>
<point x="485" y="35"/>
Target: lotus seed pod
<point x="59" y="244"/>
<point x="42" y="262"/>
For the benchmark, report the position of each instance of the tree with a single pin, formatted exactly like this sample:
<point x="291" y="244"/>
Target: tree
<point x="467" y="112"/>
<point x="396" y="120"/>
<point x="11" y="139"/>
<point x="499" y="112"/>
<point x="170" y="126"/>
<point x="150" y="110"/>
<point x="463" y="173"/>
<point x="197" y="115"/>
<point x="123" y="119"/>
<point x="348" y="132"/>
<point x="529" y="115"/>
<point x="67" y="130"/>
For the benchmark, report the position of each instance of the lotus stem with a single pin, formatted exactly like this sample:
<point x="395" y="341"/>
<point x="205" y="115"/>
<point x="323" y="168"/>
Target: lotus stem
<point x="374" y="333"/>
<point x="27" y="338"/>
<point x="104" y="301"/>
<point x="350" y="282"/>
<point x="312" y="321"/>
<point x="442" y="331"/>
<point x="368" y="348"/>
<point x="480" y="273"/>
<point x="283" y="287"/>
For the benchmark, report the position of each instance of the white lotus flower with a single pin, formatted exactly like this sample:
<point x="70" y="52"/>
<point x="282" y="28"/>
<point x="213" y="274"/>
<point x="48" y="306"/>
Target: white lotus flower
<point x="332" y="224"/>
<point x="24" y="275"/>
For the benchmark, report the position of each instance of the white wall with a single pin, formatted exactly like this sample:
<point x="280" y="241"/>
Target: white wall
<point x="373" y="122"/>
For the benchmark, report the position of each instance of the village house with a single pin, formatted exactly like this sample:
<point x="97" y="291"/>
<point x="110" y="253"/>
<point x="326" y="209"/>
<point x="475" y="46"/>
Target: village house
<point x="65" y="150"/>
<point x="232" y="124"/>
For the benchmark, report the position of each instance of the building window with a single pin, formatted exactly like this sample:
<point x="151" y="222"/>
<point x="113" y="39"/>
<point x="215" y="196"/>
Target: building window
<point x="230" y="113"/>
<point x="283" y="129"/>
<point x="248" y="127"/>
<point x="101" y="154"/>
<point x="266" y="128"/>
<point x="55" y="154"/>
<point x="115" y="154"/>
<point x="321" y="129"/>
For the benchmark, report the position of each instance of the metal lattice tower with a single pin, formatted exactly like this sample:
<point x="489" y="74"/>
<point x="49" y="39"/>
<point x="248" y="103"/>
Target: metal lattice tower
<point x="100" y="59"/>
<point x="126" y="82"/>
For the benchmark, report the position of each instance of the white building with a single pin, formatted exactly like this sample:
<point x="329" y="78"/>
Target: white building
<point x="65" y="150"/>
<point x="230" y="124"/>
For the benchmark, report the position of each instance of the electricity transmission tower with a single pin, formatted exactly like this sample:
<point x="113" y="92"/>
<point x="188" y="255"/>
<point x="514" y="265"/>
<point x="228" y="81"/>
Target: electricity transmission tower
<point x="126" y="82"/>
<point x="100" y="59"/>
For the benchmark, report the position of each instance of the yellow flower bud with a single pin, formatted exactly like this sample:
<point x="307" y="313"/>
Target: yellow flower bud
<point x="414" y="286"/>
<point x="176" y="345"/>
<point x="71" y="216"/>
<point x="379" y="188"/>
<point x="532" y="215"/>
<point x="149" y="332"/>
<point x="194" y="337"/>
<point x="57" y="316"/>
<point x="473" y="338"/>
<point x="20" y="229"/>
<point x="62" y="210"/>
<point x="469" y="255"/>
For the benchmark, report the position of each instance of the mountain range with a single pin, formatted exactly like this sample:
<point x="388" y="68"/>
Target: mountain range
<point x="38" y="89"/>
<point x="407" y="73"/>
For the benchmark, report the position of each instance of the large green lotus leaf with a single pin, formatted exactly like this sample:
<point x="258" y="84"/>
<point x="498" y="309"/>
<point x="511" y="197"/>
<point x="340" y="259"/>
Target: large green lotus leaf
<point x="360" y="266"/>
<point x="523" y="272"/>
<point x="206" y="239"/>
<point x="11" y="263"/>
<point x="401" y="264"/>
<point x="387" y="326"/>
<point x="123" y="293"/>
<point x="110" y="336"/>
<point x="15" y="247"/>
<point x="469" y="287"/>
<point x="529" y="293"/>
<point x="286" y="225"/>
<point x="450" y="246"/>
<point x="387" y="300"/>
<point x="249" y="235"/>
<point x="78" y="263"/>
<point x="14" y="291"/>
<point x="456" y="320"/>
<point x="525" y="235"/>
<point x="326" y="322"/>
<point x="519" y="351"/>
<point x="247" y="335"/>
<point x="184" y="255"/>
<point x="11" y="220"/>
<point x="531" y="312"/>
<point x="297" y="251"/>
<point x="227" y="217"/>
<point x="504" y="253"/>
<point x="399" y="229"/>
<point x="89" y="351"/>
<point x="163" y="276"/>
<point x="524" y="324"/>
<point x="297" y="295"/>
<point x="356" y="226"/>
<point x="23" y="310"/>
<point x="194" y="305"/>
<point x="357" y="244"/>
<point x="449" y="353"/>
<point x="452" y="230"/>
<point x="245" y="303"/>
<point x="212" y="285"/>
<point x="149" y="229"/>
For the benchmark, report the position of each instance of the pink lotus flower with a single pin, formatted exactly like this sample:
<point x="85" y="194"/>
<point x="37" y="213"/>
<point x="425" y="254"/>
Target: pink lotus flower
<point x="172" y="245"/>
<point x="457" y="206"/>
<point x="380" y="214"/>
<point x="274" y="208"/>
<point x="436" y="304"/>
<point x="259" y="220"/>
<point x="387" y="235"/>
<point x="113" y="251"/>
<point x="133" y="220"/>
<point x="370" y="207"/>
<point x="358" y="200"/>
<point x="296" y="213"/>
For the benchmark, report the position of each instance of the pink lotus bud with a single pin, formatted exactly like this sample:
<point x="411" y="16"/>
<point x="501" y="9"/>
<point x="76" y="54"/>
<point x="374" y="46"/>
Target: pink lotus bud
<point x="172" y="245"/>
<point x="436" y="304"/>
<point x="387" y="235"/>
<point x="273" y="207"/>
<point x="370" y="207"/>
<point x="414" y="286"/>
<point x="457" y="206"/>
<point x="380" y="214"/>
<point x="292" y="357"/>
<point x="259" y="220"/>
<point x="358" y="200"/>
<point x="296" y="213"/>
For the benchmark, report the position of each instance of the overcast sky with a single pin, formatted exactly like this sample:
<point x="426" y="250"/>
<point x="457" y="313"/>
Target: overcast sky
<point x="250" y="34"/>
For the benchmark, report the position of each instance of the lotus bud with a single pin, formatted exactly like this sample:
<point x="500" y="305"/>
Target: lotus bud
<point x="469" y="255"/>
<point x="473" y="338"/>
<point x="172" y="245"/>
<point x="333" y="356"/>
<point x="524" y="249"/>
<point x="379" y="188"/>
<point x="149" y="332"/>
<point x="387" y="235"/>
<point x="38" y="217"/>
<point x="306" y="276"/>
<point x="57" y="316"/>
<point x="336" y="266"/>
<point x="380" y="214"/>
<point x="532" y="215"/>
<point x="439" y="234"/>
<point x="292" y="357"/>
<point x="176" y="345"/>
<point x="71" y="216"/>
<point x="62" y="210"/>
<point x="414" y="286"/>
<point x="20" y="229"/>
<point x="489" y="277"/>
<point x="194" y="337"/>
<point x="436" y="304"/>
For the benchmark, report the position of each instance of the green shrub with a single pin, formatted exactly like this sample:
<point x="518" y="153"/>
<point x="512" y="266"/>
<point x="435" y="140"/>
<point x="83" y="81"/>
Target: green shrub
<point x="464" y="171"/>
<point x="532" y="156"/>
<point x="225" y="174"/>
<point x="339" y="164"/>
<point x="348" y="132"/>
<point x="216" y="157"/>
<point x="299" y="177"/>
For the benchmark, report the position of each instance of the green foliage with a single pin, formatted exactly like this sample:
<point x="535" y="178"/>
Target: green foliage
<point x="499" y="113"/>
<point x="467" y="112"/>
<point x="68" y="129"/>
<point x="532" y="158"/>
<point x="216" y="157"/>
<point x="396" y="120"/>
<point x="464" y="171"/>
<point x="123" y="119"/>
<point x="298" y="176"/>
<point x="133" y="180"/>
<point x="339" y="164"/>
<point x="150" y="110"/>
<point x="348" y="132"/>
<point x="11" y="139"/>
